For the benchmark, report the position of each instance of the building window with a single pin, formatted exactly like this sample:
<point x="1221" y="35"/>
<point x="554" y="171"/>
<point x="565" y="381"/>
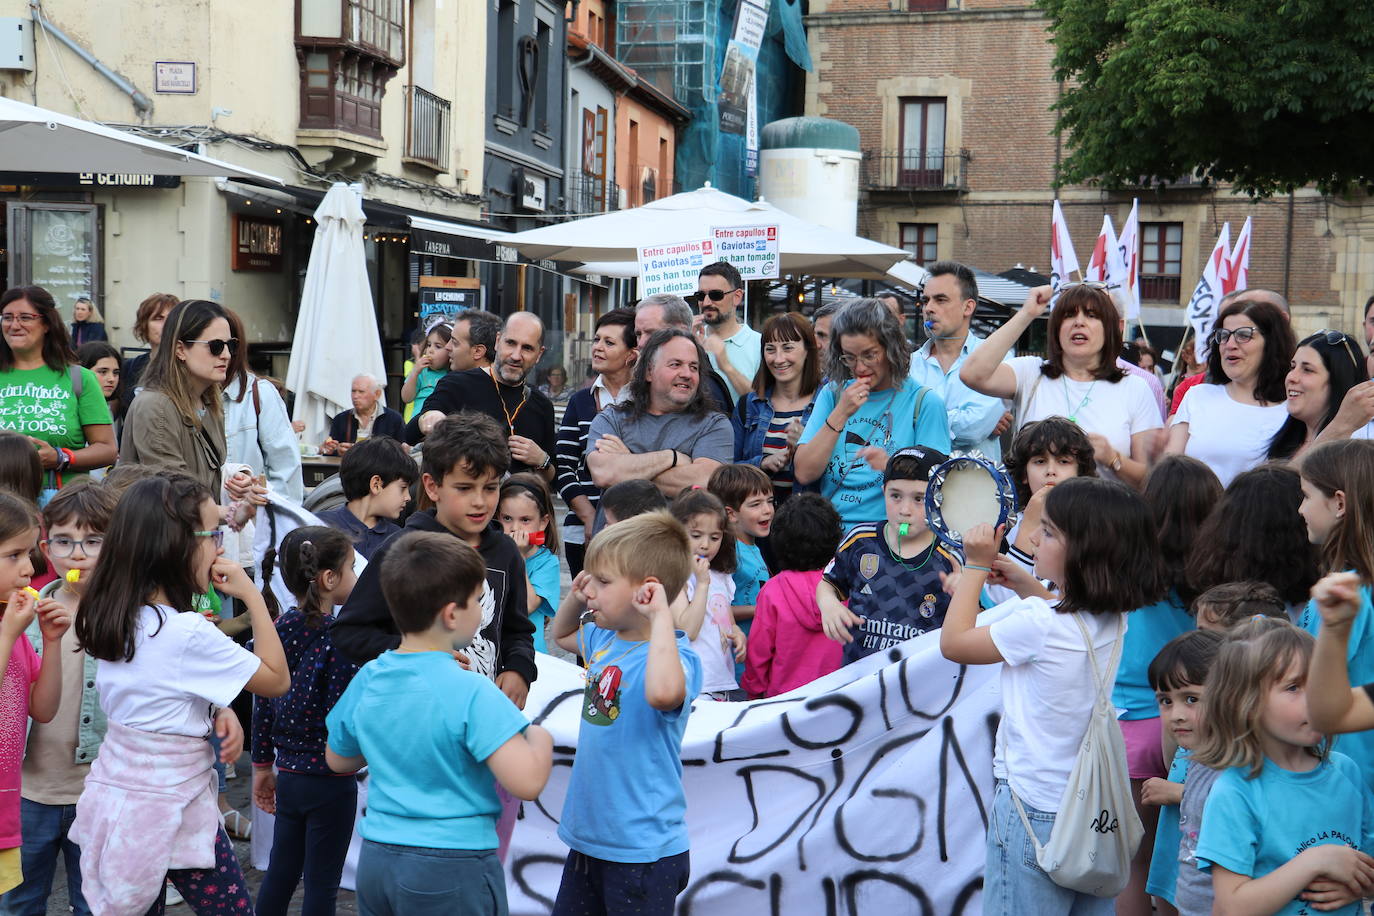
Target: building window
<point x="922" y="132"/>
<point x="1161" y="261"/>
<point x="922" y="240"/>
<point x="348" y="50"/>
<point x="505" y="60"/>
<point x="543" y="75"/>
<point x="926" y="6"/>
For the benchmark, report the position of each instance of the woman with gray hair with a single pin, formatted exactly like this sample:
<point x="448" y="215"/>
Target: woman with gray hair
<point x="868" y="410"/>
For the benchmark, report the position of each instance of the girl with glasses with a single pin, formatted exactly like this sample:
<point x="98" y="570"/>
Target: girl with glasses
<point x="148" y="811"/>
<point x="49" y="397"/>
<point x="868" y="411"/>
<point x="1229" y="421"/>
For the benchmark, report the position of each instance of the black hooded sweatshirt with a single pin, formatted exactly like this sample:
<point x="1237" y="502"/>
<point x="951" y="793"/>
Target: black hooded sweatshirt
<point x="365" y="629"/>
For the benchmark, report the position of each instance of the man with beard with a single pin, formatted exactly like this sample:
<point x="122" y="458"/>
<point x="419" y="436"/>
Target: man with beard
<point x="667" y="431"/>
<point x="735" y="349"/>
<point x="500" y="391"/>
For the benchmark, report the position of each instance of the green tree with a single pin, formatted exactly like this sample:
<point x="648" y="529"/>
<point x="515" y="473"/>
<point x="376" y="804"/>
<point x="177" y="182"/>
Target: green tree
<point x="1269" y="95"/>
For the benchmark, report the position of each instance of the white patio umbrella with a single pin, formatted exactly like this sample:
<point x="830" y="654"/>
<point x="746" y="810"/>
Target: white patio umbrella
<point x="805" y="248"/>
<point x="38" y="140"/>
<point x="336" y="332"/>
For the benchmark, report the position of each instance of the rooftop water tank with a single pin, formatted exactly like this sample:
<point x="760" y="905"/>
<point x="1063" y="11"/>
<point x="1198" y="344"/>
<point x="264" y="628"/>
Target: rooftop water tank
<point x="809" y="167"/>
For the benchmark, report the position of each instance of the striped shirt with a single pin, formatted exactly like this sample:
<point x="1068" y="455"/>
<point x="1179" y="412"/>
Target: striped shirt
<point x="571" y="475"/>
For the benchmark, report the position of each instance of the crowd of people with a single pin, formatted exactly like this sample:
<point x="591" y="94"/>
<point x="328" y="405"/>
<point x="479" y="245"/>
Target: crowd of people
<point x="740" y="512"/>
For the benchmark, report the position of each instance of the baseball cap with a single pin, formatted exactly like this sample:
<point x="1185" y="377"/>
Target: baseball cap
<point x="926" y="460"/>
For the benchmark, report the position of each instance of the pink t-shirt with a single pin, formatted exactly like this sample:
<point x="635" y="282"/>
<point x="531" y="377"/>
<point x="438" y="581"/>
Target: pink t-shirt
<point x="14" y="721"/>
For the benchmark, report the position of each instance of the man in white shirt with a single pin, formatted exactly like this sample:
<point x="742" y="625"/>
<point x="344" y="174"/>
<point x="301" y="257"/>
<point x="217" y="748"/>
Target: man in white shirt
<point x="976" y="421"/>
<point x="735" y="349"/>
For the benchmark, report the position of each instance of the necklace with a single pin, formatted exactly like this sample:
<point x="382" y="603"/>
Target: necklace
<point x="525" y="396"/>
<point x="1087" y="398"/>
<point x="596" y="659"/>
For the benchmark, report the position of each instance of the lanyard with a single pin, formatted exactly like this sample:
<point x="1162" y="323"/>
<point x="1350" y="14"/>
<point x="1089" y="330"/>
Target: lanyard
<point x="510" y="417"/>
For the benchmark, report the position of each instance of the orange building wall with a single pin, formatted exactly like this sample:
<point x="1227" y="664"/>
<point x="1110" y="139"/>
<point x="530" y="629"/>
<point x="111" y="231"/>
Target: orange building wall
<point x="642" y="148"/>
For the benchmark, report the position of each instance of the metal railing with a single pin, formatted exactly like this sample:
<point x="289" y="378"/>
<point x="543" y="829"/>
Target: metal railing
<point x="428" y="130"/>
<point x="586" y="193"/>
<point x="916" y="169"/>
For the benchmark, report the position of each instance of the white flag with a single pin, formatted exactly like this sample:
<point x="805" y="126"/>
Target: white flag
<point x="1129" y="247"/>
<point x="1238" y="262"/>
<point x="1063" y="259"/>
<point x="1104" y="253"/>
<point x="1202" y="307"/>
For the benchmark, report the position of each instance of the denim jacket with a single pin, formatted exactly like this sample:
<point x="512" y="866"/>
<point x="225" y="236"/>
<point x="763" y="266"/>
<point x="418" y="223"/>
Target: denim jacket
<point x="750" y="418"/>
<point x="90" y="729"/>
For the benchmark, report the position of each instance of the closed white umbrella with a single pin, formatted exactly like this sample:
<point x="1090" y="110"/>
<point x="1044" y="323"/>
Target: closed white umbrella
<point x="805" y="248"/>
<point x="38" y="140"/>
<point x="337" y="338"/>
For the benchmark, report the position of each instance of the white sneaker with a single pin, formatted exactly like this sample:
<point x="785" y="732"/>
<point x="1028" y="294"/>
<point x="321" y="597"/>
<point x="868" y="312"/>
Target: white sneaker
<point x="230" y="772"/>
<point x="174" y="897"/>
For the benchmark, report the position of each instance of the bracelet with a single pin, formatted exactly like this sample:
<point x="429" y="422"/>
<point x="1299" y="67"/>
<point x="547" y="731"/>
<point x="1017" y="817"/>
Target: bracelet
<point x="65" y="457"/>
<point x="674" y="464"/>
<point x="986" y="569"/>
<point x="548" y="459"/>
<point x="831" y="428"/>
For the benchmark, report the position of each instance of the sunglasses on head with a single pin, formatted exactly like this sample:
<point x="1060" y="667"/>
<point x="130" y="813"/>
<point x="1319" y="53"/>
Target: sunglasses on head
<point x="216" y="347"/>
<point x="714" y="295"/>
<point x="1334" y="338"/>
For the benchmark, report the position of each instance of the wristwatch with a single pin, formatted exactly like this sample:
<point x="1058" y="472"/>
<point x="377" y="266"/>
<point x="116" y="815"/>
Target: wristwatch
<point x="64" y="458"/>
<point x="548" y="459"/>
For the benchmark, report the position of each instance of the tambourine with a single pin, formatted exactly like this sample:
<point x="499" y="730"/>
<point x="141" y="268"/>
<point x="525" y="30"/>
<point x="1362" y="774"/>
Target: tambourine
<point x="965" y="491"/>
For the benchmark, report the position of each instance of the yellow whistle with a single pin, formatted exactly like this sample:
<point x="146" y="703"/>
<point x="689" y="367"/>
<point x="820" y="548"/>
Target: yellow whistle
<point x="31" y="590"/>
<point x="73" y="576"/>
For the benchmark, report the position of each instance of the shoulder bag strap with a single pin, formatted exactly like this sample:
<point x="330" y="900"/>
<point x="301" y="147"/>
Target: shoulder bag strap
<point x="78" y="383"/>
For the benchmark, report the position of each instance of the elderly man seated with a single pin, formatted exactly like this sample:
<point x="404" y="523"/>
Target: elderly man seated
<point x="369" y="417"/>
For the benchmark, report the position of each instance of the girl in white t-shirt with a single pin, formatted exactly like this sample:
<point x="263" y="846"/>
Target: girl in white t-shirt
<point x="148" y="812"/>
<point x="1080" y="377"/>
<point x="1229" y="424"/>
<point x="707" y="619"/>
<point x="1097" y="541"/>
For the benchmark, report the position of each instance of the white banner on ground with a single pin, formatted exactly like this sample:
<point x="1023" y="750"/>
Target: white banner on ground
<point x="1202" y="307"/>
<point x="752" y="249"/>
<point x="863" y="792"/>
<point x="673" y="268"/>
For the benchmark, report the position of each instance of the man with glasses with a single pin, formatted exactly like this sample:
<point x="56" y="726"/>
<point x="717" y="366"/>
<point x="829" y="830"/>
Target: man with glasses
<point x="369" y="417"/>
<point x="735" y="349"/>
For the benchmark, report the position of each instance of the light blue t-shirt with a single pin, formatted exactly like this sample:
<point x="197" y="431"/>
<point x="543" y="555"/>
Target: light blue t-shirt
<point x="750" y="573"/>
<point x="424" y="386"/>
<point x="1253" y="826"/>
<point x="425" y="726"/>
<point x="625" y="801"/>
<point x="1147" y="630"/>
<point x="542" y="568"/>
<point x="1164" y="860"/>
<point x="889" y="421"/>
<point x="1360" y="662"/>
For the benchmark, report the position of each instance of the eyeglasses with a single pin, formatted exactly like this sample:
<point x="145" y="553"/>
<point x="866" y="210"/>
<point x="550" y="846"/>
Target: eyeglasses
<point x="63" y="547"/>
<point x="24" y="319"/>
<point x="216" y="347"/>
<point x="715" y="295"/>
<point x="868" y="359"/>
<point x="1336" y="337"/>
<point x="1242" y="335"/>
<point x="217" y="536"/>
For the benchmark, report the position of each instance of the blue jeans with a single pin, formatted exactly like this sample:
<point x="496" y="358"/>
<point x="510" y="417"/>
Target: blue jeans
<point x="45" y="836"/>
<point x="314" y="824"/>
<point x="416" y="881"/>
<point x="596" y="887"/>
<point x="1013" y="882"/>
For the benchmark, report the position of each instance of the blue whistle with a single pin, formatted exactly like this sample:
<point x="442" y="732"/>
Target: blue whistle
<point x="929" y="325"/>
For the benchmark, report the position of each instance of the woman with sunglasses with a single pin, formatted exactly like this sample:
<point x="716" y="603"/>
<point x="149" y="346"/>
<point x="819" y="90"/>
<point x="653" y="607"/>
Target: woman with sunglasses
<point x="867" y="411"/>
<point x="1081" y="378"/>
<point x="1324" y="368"/>
<point x="177" y="422"/>
<point x="1229" y="421"/>
<point x="49" y="397"/>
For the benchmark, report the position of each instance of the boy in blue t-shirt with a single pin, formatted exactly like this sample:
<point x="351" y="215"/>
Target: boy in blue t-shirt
<point x="624" y="818"/>
<point x="747" y="493"/>
<point x="889" y="572"/>
<point x="433" y="735"/>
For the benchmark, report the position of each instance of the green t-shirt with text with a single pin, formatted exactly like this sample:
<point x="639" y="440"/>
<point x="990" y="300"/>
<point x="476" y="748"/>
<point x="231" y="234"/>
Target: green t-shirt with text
<point x="40" y="403"/>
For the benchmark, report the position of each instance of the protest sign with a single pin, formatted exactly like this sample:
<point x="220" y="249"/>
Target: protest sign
<point x="673" y="268"/>
<point x="753" y="250"/>
<point x="866" y="791"/>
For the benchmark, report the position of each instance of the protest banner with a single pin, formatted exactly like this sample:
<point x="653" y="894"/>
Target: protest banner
<point x="1128" y="248"/>
<point x="1063" y="259"/>
<point x="737" y="74"/>
<point x="753" y="250"/>
<point x="866" y="791"/>
<point x="673" y="268"/>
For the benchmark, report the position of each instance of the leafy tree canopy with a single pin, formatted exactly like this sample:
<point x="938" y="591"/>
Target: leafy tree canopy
<point x="1269" y="95"/>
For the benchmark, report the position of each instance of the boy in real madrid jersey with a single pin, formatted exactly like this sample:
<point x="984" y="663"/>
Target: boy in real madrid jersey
<point x="889" y="572"/>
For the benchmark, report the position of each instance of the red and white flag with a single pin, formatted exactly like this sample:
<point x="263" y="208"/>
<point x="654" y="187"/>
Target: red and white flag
<point x="1128" y="244"/>
<point x="1238" y="262"/>
<point x="1202" y="307"/>
<point x="1104" y="253"/>
<point x="1063" y="259"/>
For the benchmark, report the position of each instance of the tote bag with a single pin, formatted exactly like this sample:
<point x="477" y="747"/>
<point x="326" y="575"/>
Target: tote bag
<point x="1097" y="830"/>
